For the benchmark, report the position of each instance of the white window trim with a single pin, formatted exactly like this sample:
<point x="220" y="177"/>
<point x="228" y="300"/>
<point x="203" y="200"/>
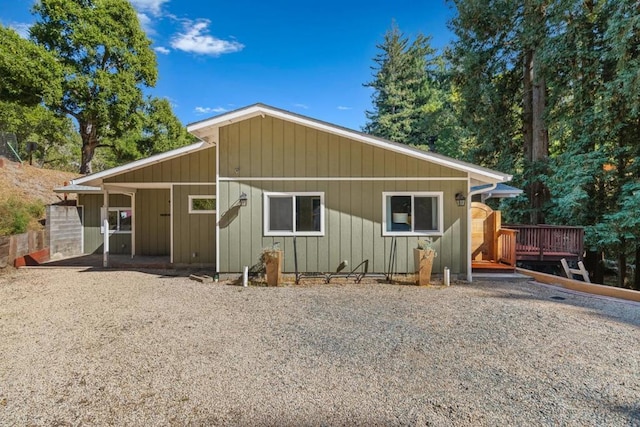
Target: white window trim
<point x="438" y="194"/>
<point x="266" y="206"/>
<point x="192" y="197"/>
<point x="103" y="216"/>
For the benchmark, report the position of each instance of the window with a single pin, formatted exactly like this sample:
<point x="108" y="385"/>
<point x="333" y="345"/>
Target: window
<point x="406" y="213"/>
<point x="202" y="204"/>
<point x="289" y="214"/>
<point x="119" y="220"/>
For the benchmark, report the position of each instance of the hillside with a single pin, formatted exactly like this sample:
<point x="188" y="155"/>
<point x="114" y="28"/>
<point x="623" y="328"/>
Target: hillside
<point x="31" y="183"/>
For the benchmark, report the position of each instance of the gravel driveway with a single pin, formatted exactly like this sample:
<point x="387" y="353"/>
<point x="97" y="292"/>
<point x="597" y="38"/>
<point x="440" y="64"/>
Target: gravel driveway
<point x="131" y="348"/>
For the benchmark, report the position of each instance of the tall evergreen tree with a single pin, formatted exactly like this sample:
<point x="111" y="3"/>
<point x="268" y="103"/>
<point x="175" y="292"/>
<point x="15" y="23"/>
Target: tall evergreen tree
<point x="403" y="94"/>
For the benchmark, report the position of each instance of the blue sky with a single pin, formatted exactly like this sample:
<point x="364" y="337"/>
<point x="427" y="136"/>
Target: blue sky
<point x="307" y="57"/>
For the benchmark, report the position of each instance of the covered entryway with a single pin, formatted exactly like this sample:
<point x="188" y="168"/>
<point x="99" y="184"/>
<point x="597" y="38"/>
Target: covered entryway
<point x="152" y="216"/>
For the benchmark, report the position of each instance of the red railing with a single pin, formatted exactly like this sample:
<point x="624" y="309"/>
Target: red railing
<point x="548" y="242"/>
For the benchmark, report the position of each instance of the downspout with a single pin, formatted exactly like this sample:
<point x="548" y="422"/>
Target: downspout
<point x="470" y="195"/>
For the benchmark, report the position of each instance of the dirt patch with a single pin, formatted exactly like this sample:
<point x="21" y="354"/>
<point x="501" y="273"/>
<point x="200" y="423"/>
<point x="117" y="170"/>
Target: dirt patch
<point x="31" y="183"/>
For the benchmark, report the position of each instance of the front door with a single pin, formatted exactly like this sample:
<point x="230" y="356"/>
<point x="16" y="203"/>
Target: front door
<point x="153" y="216"/>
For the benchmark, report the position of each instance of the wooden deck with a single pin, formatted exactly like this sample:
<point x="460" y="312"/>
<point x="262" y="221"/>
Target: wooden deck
<point x="548" y="243"/>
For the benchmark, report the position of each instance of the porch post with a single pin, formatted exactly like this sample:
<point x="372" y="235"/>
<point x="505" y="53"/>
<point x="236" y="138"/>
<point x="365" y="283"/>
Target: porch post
<point x="133" y="224"/>
<point x="105" y="225"/>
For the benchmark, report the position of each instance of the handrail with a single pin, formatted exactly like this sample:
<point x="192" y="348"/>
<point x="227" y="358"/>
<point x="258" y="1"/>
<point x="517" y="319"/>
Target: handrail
<point x="539" y="240"/>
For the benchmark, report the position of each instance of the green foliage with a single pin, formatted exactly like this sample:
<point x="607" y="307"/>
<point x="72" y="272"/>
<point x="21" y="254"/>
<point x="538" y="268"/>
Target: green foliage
<point x="16" y="215"/>
<point x="29" y="74"/>
<point x="587" y="56"/>
<point x="58" y="141"/>
<point x="158" y="130"/>
<point x="412" y="98"/>
<point x="107" y="59"/>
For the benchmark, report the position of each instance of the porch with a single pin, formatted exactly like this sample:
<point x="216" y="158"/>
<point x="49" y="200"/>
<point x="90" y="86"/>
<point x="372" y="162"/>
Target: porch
<point x="499" y="248"/>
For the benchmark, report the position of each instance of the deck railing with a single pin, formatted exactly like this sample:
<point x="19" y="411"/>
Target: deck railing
<point x="548" y="242"/>
<point x="507" y="246"/>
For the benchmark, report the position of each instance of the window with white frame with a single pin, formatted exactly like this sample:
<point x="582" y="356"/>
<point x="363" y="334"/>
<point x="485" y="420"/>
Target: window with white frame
<point x="120" y="220"/>
<point x="412" y="213"/>
<point x="294" y="214"/>
<point x="202" y="204"/>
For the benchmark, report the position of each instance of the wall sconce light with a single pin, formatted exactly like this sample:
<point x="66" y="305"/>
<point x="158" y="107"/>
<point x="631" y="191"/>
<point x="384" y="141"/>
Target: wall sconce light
<point x="243" y="199"/>
<point x="460" y="199"/>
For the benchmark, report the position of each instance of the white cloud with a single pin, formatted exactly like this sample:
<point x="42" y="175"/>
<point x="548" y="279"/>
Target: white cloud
<point x="342" y="107"/>
<point x="303" y="106"/>
<point x="196" y="39"/>
<point x="152" y="6"/>
<point x="22" y="28"/>
<point x="161" y="49"/>
<point x="209" y="110"/>
<point x="145" y="23"/>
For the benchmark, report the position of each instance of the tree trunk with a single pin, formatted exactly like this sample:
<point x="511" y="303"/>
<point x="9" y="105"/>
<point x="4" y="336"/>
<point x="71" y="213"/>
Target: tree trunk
<point x="595" y="266"/>
<point x="622" y="264"/>
<point x="89" y="143"/>
<point x="636" y="276"/>
<point x="535" y="134"/>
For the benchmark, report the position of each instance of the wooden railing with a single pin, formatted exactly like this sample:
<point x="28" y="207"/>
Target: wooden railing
<point x="548" y="242"/>
<point x="507" y="246"/>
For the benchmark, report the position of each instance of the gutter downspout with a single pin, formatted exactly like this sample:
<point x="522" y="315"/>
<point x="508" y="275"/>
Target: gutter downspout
<point x="469" y="196"/>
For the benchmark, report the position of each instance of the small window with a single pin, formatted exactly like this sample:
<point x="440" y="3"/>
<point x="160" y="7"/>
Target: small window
<point x="202" y="204"/>
<point x="294" y="214"/>
<point x="412" y="214"/>
<point x="120" y="220"/>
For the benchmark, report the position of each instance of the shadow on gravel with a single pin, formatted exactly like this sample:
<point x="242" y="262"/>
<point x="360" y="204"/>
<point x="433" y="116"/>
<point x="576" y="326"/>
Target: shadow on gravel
<point x="617" y="310"/>
<point x="632" y="413"/>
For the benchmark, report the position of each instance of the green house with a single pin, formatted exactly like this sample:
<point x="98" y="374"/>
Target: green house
<point x="261" y="176"/>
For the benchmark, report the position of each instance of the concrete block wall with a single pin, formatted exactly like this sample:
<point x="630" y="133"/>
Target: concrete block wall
<point x="64" y="230"/>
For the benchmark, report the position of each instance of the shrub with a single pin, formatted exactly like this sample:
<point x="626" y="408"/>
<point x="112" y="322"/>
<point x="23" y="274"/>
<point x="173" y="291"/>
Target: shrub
<point x="17" y="216"/>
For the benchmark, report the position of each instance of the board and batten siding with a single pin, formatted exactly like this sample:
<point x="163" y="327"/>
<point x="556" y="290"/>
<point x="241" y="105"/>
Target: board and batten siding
<point x="194" y="234"/>
<point x="199" y="166"/>
<point x="265" y="147"/>
<point x="270" y="147"/>
<point x="119" y="243"/>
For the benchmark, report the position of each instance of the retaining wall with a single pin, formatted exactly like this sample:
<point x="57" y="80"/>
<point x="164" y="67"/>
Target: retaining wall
<point x="64" y="230"/>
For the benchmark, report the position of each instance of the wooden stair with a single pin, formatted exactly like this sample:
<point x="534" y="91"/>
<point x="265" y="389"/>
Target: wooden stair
<point x="485" y="266"/>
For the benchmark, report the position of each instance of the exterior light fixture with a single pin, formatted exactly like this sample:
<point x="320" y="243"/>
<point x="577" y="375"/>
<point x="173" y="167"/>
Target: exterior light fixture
<point x="460" y="199"/>
<point x="243" y="199"/>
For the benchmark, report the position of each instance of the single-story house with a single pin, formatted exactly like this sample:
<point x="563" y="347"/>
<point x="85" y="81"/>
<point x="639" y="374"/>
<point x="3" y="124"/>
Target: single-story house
<point x="260" y="176"/>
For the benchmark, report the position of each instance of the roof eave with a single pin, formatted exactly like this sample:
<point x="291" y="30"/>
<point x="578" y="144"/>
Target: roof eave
<point x="479" y="173"/>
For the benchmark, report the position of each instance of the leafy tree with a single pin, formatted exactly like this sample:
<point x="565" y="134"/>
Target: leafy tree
<point x="106" y="60"/>
<point x="29" y="74"/>
<point x="56" y="137"/>
<point x="159" y="130"/>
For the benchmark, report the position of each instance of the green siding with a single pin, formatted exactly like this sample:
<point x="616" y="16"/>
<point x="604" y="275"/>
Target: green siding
<point x="193" y="233"/>
<point x="353" y="226"/>
<point x="152" y="219"/>
<point x="93" y="238"/>
<point x="193" y="167"/>
<point x="270" y="147"/>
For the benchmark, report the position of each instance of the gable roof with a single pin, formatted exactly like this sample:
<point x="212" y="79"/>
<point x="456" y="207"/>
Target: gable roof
<point x="207" y="130"/>
<point x="137" y="164"/>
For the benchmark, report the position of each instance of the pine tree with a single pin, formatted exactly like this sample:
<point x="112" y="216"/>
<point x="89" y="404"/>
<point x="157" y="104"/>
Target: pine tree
<point x="403" y="94"/>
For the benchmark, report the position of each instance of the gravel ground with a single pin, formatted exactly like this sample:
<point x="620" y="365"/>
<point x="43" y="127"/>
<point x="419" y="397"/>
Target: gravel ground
<point x="131" y="348"/>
